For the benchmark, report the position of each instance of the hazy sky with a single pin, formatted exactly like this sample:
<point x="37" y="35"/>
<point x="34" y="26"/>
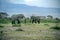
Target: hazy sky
<point x="29" y="7"/>
<point x="39" y="3"/>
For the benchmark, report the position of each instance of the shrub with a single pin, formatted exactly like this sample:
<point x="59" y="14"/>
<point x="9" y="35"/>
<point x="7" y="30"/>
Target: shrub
<point x="1" y="26"/>
<point x="4" y="21"/>
<point x="56" y="27"/>
<point x="19" y="29"/>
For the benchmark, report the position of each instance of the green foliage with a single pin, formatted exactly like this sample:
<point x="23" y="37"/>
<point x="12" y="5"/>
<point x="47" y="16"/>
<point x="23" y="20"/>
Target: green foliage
<point x="57" y="20"/>
<point x="41" y="20"/>
<point x="4" y="21"/>
<point x="56" y="27"/>
<point x="48" y="21"/>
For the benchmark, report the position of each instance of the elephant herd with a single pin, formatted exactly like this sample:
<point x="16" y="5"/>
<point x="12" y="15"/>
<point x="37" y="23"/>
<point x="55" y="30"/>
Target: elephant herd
<point x="32" y="20"/>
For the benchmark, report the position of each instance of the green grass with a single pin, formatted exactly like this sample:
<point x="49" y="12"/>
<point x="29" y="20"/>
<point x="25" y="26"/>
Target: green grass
<point x="33" y="32"/>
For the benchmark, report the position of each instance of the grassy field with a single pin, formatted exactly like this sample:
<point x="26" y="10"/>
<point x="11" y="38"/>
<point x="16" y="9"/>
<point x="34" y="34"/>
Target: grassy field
<point x="40" y="31"/>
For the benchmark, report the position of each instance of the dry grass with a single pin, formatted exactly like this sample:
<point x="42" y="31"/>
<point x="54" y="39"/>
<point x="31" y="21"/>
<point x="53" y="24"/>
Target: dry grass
<point x="33" y="32"/>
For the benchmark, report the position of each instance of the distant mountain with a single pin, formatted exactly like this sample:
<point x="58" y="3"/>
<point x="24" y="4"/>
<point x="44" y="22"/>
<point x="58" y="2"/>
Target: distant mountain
<point x="29" y="10"/>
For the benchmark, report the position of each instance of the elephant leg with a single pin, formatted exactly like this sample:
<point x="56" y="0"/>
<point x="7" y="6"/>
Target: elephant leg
<point x="32" y="21"/>
<point x="18" y="21"/>
<point x="38" y="21"/>
<point x="35" y="20"/>
<point x="13" y="22"/>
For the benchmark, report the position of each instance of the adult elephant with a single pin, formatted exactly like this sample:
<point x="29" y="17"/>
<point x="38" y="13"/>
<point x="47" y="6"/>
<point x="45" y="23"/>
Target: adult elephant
<point x="14" y="19"/>
<point x="38" y="19"/>
<point x="35" y="19"/>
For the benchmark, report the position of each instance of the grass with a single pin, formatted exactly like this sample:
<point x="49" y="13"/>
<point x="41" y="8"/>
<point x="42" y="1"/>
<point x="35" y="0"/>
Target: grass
<point x="16" y="25"/>
<point x="33" y="32"/>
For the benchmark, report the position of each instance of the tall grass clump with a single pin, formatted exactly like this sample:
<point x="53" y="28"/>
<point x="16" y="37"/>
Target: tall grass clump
<point x="19" y="29"/>
<point x="56" y="27"/>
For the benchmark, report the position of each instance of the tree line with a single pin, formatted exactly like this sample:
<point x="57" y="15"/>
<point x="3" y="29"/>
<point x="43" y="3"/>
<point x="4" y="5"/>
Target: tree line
<point x="20" y="18"/>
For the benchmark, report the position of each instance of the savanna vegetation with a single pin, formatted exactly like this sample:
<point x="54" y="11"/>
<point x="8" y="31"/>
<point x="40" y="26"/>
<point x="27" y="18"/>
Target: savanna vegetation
<point x="19" y="27"/>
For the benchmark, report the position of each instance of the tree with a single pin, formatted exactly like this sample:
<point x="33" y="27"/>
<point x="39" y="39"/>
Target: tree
<point x="3" y="15"/>
<point x="50" y="17"/>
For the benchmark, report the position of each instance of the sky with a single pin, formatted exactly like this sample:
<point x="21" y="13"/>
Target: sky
<point x="39" y="3"/>
<point x="38" y="7"/>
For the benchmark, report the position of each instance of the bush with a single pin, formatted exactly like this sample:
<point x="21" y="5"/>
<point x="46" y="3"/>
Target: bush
<point x="56" y="28"/>
<point x="4" y="21"/>
<point x="1" y="26"/>
<point x="19" y="29"/>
